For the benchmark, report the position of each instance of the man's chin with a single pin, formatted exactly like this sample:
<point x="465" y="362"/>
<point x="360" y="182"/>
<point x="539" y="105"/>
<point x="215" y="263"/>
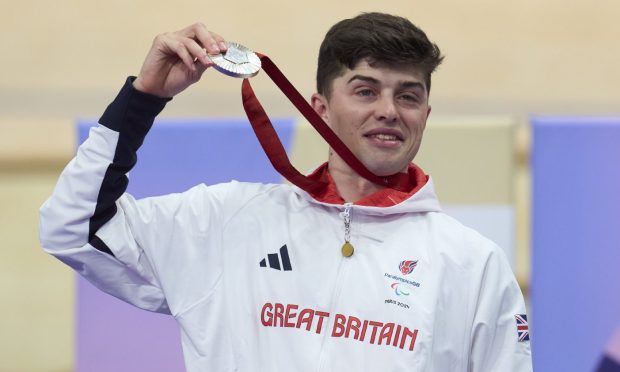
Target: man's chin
<point x="385" y="164"/>
<point x="386" y="170"/>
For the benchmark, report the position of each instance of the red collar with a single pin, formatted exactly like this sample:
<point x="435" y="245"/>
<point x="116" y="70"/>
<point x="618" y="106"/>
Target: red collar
<point x="383" y="198"/>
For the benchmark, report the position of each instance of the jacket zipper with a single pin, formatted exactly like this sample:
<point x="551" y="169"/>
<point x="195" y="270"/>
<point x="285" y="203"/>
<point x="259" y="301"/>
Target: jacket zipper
<point x="346" y="217"/>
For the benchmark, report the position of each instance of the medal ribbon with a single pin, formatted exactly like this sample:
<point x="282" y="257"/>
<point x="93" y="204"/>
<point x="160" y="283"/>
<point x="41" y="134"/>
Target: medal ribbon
<point x="273" y="148"/>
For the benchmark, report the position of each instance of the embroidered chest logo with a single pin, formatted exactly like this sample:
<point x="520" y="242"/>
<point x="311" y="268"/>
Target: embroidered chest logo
<point x="402" y="287"/>
<point x="278" y="261"/>
<point x="406" y="267"/>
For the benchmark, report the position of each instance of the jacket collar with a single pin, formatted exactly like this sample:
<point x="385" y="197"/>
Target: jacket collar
<point x="419" y="197"/>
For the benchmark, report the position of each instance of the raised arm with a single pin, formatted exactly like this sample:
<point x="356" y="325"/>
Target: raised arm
<point x="89" y="200"/>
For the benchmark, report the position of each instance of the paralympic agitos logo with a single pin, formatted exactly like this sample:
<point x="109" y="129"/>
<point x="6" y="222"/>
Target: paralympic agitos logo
<point x="398" y="289"/>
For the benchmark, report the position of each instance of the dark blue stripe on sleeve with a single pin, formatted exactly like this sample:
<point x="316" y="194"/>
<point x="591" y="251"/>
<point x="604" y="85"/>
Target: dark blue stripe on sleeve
<point x="100" y="245"/>
<point x="131" y="114"/>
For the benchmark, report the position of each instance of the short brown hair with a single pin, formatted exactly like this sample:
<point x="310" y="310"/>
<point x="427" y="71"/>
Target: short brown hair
<point x="381" y="39"/>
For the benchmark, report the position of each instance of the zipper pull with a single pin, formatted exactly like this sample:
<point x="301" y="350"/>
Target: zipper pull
<point x="347" y="248"/>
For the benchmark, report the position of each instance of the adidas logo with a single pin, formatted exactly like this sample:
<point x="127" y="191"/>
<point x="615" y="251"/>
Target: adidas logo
<point x="274" y="260"/>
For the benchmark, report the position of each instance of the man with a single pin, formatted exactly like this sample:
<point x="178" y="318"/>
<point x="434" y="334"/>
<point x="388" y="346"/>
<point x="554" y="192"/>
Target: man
<point x="416" y="290"/>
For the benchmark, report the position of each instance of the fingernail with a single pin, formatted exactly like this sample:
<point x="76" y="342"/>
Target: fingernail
<point x="222" y="45"/>
<point x="213" y="46"/>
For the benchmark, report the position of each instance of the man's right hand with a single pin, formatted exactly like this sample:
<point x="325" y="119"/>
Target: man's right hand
<point x="177" y="60"/>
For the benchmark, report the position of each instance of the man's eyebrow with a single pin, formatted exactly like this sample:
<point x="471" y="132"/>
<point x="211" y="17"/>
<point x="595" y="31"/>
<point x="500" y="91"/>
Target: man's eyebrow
<point x="365" y="78"/>
<point x="413" y="85"/>
<point x="403" y="85"/>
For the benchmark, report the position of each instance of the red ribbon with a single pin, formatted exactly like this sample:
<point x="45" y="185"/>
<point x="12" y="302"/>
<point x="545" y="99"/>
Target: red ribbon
<point x="270" y="142"/>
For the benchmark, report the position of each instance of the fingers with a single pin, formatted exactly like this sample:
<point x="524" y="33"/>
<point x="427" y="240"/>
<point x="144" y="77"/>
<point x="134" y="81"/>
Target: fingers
<point x="170" y="46"/>
<point x="183" y="49"/>
<point x="178" y="59"/>
<point x="191" y="45"/>
<point x="212" y="42"/>
<point x="194" y="43"/>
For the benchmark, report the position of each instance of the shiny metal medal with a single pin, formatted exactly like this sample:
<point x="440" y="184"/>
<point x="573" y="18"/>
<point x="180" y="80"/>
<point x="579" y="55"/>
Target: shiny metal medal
<point x="237" y="61"/>
<point x="347" y="249"/>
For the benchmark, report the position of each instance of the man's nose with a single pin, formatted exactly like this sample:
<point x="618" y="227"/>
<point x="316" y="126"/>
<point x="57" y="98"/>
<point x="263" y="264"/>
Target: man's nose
<point x="385" y="109"/>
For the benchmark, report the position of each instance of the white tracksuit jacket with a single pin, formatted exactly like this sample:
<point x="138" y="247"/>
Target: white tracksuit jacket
<point x="255" y="277"/>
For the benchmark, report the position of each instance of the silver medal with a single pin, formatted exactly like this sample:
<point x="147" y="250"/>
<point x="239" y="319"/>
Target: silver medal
<point x="237" y="61"/>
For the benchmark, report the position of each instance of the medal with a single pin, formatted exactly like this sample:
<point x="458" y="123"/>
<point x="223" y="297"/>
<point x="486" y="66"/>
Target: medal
<point x="347" y="249"/>
<point x="237" y="61"/>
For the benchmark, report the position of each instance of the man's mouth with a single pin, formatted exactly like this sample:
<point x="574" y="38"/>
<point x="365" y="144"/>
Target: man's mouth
<point x="384" y="137"/>
<point x="387" y="139"/>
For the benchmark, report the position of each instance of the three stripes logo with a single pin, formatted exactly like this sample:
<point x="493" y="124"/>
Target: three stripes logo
<point x="278" y="261"/>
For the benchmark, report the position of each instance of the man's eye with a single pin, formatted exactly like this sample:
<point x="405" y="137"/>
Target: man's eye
<point x="409" y="97"/>
<point x="365" y="92"/>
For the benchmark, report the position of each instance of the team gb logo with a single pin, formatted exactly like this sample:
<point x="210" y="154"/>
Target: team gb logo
<point x="406" y="267"/>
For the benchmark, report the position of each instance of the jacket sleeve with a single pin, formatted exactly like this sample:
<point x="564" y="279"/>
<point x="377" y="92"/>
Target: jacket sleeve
<point x="88" y="196"/>
<point x="496" y="343"/>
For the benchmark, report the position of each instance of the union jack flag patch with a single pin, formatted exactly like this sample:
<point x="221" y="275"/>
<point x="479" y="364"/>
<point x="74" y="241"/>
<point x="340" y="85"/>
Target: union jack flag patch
<point x="523" y="330"/>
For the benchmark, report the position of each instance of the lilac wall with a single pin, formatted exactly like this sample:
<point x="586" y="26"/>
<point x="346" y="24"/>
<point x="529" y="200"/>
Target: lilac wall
<point x="575" y="288"/>
<point x="177" y="154"/>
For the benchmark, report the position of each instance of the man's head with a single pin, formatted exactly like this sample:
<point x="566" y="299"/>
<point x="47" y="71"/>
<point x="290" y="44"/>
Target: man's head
<point x="373" y="80"/>
<point x="382" y="40"/>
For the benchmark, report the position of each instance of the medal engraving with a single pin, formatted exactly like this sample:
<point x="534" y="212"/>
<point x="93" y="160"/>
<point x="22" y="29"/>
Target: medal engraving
<point x="237" y="61"/>
<point x="236" y="56"/>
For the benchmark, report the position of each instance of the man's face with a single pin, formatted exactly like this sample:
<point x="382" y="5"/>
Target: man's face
<point x="379" y="113"/>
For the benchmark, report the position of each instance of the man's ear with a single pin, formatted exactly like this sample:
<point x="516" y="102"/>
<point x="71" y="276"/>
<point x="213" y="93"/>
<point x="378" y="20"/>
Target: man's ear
<point x="319" y="104"/>
<point x="428" y="113"/>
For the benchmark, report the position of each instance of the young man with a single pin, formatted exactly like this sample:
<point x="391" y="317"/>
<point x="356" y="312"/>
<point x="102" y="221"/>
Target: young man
<point x="419" y="292"/>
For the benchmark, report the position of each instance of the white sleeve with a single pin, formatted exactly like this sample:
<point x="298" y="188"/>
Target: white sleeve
<point x="149" y="252"/>
<point x="71" y="218"/>
<point x="87" y="201"/>
<point x="496" y="343"/>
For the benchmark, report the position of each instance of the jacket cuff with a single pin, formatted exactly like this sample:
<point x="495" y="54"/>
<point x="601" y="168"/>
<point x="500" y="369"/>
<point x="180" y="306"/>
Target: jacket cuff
<point x="133" y="108"/>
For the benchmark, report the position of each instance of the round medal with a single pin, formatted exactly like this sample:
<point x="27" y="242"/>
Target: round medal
<point x="237" y="61"/>
<point x="347" y="249"/>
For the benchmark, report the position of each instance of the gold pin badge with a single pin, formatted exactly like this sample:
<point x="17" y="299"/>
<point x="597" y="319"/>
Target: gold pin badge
<point x="347" y="249"/>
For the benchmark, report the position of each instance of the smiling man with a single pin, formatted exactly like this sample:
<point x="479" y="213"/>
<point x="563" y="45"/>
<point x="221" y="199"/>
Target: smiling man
<point x="355" y="276"/>
<point x="380" y="114"/>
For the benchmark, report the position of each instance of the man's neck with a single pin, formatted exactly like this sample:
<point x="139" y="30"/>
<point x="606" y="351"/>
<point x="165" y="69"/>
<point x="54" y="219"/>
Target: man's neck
<point x="351" y="186"/>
